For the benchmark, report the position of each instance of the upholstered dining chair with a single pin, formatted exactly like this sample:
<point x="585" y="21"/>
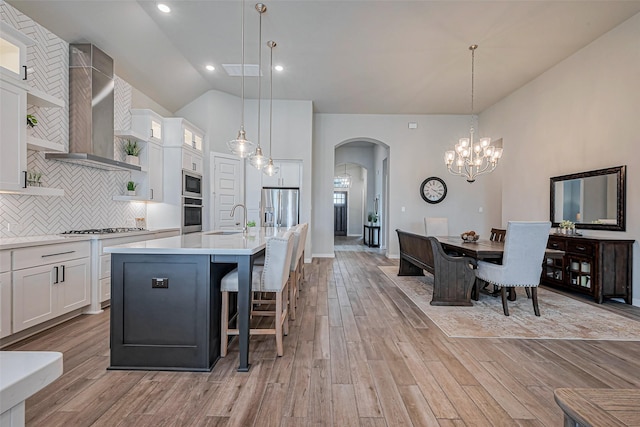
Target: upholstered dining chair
<point x="294" y="268"/>
<point x="521" y="266"/>
<point x="436" y="226"/>
<point x="303" y="237"/>
<point x="272" y="277"/>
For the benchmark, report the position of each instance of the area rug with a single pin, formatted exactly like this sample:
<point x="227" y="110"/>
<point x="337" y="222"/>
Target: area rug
<point x="561" y="317"/>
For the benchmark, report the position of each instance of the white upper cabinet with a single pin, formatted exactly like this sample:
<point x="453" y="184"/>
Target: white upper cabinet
<point x="289" y="174"/>
<point x="182" y="133"/>
<point x="13" y="52"/>
<point x="13" y="149"/>
<point x="149" y="124"/>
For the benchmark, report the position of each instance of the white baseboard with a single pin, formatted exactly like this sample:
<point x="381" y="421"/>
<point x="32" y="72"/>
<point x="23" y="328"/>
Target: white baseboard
<point x="331" y="255"/>
<point x="354" y="235"/>
<point x="393" y="256"/>
<point x="635" y="302"/>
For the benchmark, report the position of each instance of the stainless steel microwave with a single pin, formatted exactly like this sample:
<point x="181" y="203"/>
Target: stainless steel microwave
<point x="191" y="184"/>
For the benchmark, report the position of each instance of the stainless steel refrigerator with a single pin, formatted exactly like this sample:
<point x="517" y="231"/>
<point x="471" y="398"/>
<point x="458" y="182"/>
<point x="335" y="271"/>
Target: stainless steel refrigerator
<point x="280" y="207"/>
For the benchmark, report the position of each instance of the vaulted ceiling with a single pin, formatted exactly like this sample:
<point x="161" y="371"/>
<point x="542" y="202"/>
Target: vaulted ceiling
<point x="368" y="57"/>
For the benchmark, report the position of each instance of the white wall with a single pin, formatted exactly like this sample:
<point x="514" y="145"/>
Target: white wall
<point x="580" y="115"/>
<point x="415" y="154"/>
<point x="218" y="114"/>
<point x="140" y="100"/>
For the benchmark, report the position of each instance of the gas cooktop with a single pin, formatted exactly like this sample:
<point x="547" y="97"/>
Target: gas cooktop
<point x="104" y="230"/>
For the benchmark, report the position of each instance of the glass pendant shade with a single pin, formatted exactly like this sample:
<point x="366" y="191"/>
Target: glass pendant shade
<point x="258" y="160"/>
<point x="270" y="169"/>
<point x="241" y="146"/>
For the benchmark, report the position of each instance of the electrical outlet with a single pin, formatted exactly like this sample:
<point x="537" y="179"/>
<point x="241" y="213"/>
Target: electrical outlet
<point x="13" y="227"/>
<point x="160" y="282"/>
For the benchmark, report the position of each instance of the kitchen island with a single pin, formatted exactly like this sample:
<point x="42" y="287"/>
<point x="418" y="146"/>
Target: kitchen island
<point x="165" y="298"/>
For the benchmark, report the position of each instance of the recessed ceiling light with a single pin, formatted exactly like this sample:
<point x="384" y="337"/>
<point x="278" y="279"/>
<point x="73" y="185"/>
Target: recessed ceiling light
<point x="164" y="8"/>
<point x="210" y="67"/>
<point x="279" y="67"/>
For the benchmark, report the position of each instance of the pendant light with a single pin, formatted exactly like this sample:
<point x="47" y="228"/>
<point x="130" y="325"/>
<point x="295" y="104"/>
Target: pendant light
<point x="270" y="169"/>
<point x="257" y="160"/>
<point x="241" y="146"/>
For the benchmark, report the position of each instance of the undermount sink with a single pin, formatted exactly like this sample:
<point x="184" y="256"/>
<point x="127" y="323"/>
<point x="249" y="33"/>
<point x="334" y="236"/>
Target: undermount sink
<point x="223" y="232"/>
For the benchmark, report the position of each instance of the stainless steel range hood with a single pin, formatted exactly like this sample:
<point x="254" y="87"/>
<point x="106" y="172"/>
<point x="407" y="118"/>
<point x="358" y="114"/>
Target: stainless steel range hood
<point x="91" y="110"/>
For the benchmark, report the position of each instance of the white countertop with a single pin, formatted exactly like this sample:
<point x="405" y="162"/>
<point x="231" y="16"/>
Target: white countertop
<point x="206" y="243"/>
<point x="50" y="239"/>
<point x="24" y="373"/>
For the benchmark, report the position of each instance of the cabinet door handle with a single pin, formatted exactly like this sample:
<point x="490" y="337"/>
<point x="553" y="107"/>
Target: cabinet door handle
<point x="56" y="279"/>
<point x="151" y="132"/>
<point x="59" y="253"/>
<point x="24" y="185"/>
<point x="25" y="72"/>
<point x="62" y="271"/>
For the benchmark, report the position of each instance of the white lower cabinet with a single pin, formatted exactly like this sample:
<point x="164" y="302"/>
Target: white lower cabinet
<point x="49" y="281"/>
<point x="5" y="304"/>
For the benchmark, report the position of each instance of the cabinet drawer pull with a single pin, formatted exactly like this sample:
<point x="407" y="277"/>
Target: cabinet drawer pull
<point x="56" y="279"/>
<point x="554" y="245"/>
<point x="581" y="248"/>
<point x="59" y="253"/>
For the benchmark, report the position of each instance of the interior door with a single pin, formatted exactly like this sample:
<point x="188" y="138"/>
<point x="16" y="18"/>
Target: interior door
<point x="339" y="213"/>
<point x="227" y="182"/>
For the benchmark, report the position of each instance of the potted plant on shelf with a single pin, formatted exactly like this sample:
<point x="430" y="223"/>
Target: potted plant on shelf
<point x="132" y="151"/>
<point x="131" y="188"/>
<point x="31" y="120"/>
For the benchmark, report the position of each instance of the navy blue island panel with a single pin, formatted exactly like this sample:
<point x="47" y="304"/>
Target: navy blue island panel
<point x="165" y="311"/>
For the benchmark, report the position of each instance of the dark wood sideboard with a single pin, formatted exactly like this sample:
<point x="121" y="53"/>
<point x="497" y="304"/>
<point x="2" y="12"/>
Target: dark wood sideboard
<point x="598" y="267"/>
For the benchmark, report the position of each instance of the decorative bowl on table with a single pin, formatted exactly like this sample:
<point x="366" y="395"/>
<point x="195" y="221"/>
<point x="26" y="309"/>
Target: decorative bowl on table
<point x="469" y="236"/>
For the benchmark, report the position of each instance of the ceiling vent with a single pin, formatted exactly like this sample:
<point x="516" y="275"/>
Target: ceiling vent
<point x="235" y="70"/>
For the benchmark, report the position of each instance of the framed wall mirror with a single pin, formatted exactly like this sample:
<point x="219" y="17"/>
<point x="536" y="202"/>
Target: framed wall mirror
<point x="592" y="200"/>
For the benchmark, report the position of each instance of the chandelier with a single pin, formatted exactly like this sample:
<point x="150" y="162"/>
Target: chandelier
<point x="469" y="159"/>
<point x="241" y="146"/>
<point x="342" y="180"/>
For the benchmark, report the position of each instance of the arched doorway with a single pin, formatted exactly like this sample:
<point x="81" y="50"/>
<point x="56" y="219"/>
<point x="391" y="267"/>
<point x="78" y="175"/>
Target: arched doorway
<point x="364" y="162"/>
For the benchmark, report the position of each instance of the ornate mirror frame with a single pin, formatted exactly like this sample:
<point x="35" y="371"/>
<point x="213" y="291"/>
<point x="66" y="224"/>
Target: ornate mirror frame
<point x="621" y="206"/>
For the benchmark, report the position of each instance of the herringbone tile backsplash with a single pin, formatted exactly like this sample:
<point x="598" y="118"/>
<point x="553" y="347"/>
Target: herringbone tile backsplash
<point x="88" y="200"/>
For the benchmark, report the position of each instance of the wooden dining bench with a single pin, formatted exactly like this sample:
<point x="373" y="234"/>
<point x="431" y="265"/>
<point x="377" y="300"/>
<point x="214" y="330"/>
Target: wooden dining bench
<point x="453" y="277"/>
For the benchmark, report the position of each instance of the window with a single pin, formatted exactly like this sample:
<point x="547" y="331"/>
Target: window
<point x="339" y="199"/>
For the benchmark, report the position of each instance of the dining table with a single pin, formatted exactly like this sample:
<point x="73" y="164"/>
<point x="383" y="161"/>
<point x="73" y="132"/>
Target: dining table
<point x="484" y="250"/>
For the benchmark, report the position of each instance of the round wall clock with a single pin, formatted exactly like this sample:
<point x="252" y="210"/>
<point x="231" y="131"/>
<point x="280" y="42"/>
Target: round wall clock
<point x="433" y="190"/>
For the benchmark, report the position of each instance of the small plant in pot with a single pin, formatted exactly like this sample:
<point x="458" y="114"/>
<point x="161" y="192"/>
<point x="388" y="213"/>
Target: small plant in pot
<point x="132" y="150"/>
<point x="372" y="218"/>
<point x="131" y="188"/>
<point x="31" y="121"/>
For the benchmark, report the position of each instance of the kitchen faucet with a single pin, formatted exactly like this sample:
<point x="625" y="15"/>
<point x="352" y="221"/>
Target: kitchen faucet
<point x="244" y="219"/>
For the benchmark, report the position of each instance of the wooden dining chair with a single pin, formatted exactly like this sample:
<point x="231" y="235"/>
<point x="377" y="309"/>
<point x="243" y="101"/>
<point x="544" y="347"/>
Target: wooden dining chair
<point x="524" y="248"/>
<point x="498" y="234"/>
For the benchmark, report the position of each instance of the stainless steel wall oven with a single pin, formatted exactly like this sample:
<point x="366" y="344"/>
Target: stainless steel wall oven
<point x="191" y="184"/>
<point x="191" y="215"/>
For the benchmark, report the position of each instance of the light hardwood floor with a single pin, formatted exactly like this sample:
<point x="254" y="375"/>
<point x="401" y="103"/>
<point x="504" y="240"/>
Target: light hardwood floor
<point x="359" y="354"/>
